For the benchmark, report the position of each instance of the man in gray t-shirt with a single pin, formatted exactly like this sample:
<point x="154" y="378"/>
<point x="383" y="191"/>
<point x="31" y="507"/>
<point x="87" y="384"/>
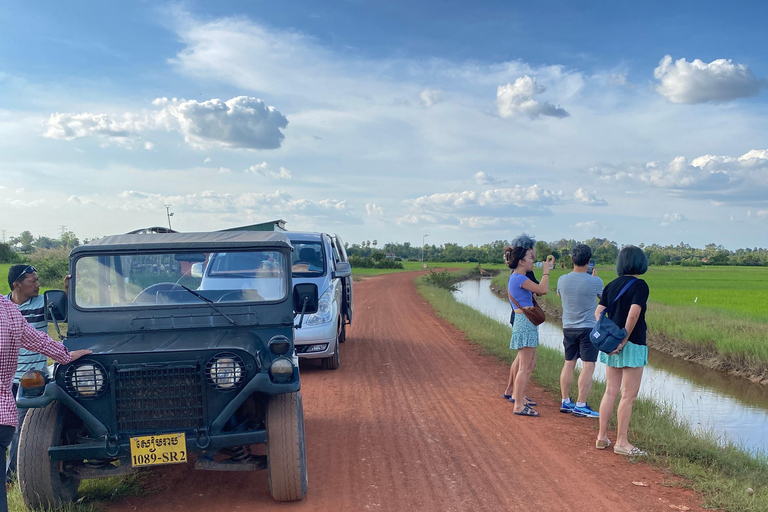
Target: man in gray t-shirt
<point x="579" y="292"/>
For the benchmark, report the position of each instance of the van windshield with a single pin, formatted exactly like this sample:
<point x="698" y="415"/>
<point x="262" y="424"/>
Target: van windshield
<point x="162" y="279"/>
<point x="307" y="259"/>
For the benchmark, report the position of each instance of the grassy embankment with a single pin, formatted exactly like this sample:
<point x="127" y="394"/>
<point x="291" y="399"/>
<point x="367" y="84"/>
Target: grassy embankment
<point x="721" y="474"/>
<point x="713" y="315"/>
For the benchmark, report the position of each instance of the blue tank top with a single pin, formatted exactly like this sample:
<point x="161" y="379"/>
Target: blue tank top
<point x="521" y="295"/>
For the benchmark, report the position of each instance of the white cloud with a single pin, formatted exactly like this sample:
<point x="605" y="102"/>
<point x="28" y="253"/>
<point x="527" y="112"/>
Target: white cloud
<point x="515" y="100"/>
<point x="242" y="122"/>
<point x="430" y="97"/>
<point x="207" y="160"/>
<point x="671" y="218"/>
<point x="585" y="197"/>
<point x="264" y="170"/>
<point x="698" y="82"/>
<point x="528" y="197"/>
<point x="374" y="210"/>
<point x="224" y="170"/>
<point x="489" y="222"/>
<point x="482" y="178"/>
<point x="589" y="224"/>
<point x="416" y="219"/>
<point x="762" y="214"/>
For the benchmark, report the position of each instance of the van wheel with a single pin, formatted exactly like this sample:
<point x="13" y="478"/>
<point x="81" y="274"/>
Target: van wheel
<point x="333" y="362"/>
<point x="286" y="450"/>
<point x="43" y="483"/>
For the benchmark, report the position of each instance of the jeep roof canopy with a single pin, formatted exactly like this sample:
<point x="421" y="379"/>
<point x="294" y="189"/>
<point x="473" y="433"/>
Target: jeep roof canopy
<point x="182" y="241"/>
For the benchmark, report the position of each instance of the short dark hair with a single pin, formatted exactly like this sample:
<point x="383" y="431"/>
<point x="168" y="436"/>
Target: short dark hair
<point x="523" y="240"/>
<point x="513" y="255"/>
<point x="14" y="272"/>
<point x="581" y="254"/>
<point x="632" y="260"/>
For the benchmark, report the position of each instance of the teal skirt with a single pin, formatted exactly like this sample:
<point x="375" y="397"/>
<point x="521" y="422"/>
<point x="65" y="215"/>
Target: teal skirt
<point x="524" y="333"/>
<point x="631" y="356"/>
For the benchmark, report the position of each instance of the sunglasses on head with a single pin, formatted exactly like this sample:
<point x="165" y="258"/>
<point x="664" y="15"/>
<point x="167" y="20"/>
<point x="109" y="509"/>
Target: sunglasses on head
<point x="24" y="272"/>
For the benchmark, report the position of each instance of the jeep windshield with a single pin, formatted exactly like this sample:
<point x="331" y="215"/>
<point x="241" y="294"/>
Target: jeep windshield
<point x="307" y="259"/>
<point x="161" y="279"/>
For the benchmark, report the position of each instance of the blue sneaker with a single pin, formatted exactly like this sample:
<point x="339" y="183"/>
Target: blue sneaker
<point x="585" y="412"/>
<point x="567" y="407"/>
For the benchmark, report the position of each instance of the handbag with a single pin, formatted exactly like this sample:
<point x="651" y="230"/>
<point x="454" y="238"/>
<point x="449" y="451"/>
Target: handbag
<point x="533" y="313"/>
<point x="606" y="335"/>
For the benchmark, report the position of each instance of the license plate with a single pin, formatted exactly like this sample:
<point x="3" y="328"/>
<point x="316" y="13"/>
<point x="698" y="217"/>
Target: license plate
<point x="159" y="449"/>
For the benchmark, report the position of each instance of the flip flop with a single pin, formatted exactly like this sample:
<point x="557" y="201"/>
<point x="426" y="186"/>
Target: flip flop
<point x="634" y="452"/>
<point x="528" y="401"/>
<point x="507" y="397"/>
<point x="602" y="444"/>
<point x="527" y="411"/>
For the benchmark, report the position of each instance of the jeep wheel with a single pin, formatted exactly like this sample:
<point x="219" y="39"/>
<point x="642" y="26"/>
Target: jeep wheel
<point x="42" y="482"/>
<point x="333" y="362"/>
<point x="286" y="453"/>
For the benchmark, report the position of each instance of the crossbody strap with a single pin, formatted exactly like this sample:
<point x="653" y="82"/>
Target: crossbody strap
<point x="626" y="287"/>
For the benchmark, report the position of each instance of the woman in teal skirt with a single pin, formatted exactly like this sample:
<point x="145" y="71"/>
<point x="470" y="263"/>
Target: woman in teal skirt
<point x="624" y="366"/>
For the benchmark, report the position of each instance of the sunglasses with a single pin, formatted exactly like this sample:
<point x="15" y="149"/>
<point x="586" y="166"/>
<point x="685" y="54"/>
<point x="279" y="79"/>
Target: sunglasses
<point x="24" y="272"/>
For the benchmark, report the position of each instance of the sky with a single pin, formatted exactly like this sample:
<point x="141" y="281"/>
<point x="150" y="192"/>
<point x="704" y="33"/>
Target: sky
<point x="435" y="121"/>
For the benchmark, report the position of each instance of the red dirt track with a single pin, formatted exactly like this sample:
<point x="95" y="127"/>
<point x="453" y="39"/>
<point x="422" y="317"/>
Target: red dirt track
<point x="414" y="420"/>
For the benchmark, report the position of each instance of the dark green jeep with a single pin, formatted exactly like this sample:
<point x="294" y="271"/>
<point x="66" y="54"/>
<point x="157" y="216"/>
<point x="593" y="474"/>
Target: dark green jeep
<point x="178" y="372"/>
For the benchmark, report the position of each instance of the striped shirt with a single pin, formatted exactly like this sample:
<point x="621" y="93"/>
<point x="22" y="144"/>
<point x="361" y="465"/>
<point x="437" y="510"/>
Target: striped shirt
<point x="15" y="332"/>
<point x="33" y="312"/>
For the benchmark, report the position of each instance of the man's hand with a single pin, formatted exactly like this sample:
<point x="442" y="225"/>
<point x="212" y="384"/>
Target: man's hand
<point x="77" y="354"/>
<point x="66" y="283"/>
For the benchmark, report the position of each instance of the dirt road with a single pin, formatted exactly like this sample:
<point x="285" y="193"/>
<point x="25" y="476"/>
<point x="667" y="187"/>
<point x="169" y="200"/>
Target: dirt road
<point x="414" y="420"/>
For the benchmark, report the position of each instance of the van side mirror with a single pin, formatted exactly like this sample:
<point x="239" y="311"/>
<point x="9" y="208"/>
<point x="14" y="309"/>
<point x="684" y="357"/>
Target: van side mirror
<point x="305" y="298"/>
<point x="55" y="306"/>
<point x="343" y="269"/>
<point x="196" y="270"/>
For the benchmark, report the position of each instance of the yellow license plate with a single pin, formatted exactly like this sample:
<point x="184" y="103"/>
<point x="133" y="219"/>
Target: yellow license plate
<point x="159" y="449"/>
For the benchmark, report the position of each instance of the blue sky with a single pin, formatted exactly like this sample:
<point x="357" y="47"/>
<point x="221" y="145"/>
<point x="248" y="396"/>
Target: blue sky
<point x="388" y="120"/>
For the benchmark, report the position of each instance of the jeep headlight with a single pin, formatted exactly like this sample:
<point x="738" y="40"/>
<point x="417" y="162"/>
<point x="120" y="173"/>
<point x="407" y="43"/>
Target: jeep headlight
<point x="86" y="379"/>
<point x="324" y="309"/>
<point x="225" y="371"/>
<point x="281" y="369"/>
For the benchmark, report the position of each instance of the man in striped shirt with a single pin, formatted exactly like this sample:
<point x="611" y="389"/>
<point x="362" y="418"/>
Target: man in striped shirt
<point x="25" y="293"/>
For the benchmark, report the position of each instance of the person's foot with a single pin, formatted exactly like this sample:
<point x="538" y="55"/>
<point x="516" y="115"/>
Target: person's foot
<point x="567" y="406"/>
<point x="602" y="444"/>
<point x="585" y="412"/>
<point x="630" y="451"/>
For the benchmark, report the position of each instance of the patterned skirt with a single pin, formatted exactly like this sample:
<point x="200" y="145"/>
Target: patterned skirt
<point x="524" y="333"/>
<point x="631" y="356"/>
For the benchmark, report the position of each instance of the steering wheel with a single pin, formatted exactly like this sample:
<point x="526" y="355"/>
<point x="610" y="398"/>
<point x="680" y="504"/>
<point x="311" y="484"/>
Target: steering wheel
<point x="243" y="295"/>
<point x="149" y="294"/>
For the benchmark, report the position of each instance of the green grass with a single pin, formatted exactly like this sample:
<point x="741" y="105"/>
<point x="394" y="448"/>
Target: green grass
<point x="729" y="316"/>
<point x="94" y="494"/>
<point x="409" y="266"/>
<point x="720" y="474"/>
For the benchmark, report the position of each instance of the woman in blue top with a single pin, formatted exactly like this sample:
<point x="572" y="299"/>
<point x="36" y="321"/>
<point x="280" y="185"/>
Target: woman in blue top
<point x="525" y="335"/>
<point x="624" y="366"/>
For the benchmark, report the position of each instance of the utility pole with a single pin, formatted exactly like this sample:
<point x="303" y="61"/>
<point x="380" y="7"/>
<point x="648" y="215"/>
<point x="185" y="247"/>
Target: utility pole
<point x="63" y="230"/>
<point x="422" y="249"/>
<point x="3" y="236"/>
<point x="169" y="214"/>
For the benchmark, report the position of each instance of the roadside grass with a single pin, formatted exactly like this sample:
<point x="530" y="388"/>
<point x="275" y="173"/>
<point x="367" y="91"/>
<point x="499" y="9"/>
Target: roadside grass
<point x="94" y="494"/>
<point x="722" y="474"/>
<point x="729" y="315"/>
<point x="410" y="266"/>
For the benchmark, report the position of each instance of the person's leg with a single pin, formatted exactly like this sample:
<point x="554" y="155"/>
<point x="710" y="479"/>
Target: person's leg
<point x="13" y="451"/>
<point x="526" y="356"/>
<point x="6" y="434"/>
<point x="512" y="375"/>
<point x="612" y="388"/>
<point x="585" y="380"/>
<point x="629" y="389"/>
<point x="566" y="379"/>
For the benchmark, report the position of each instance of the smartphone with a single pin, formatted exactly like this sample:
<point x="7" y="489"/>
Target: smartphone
<point x="590" y="267"/>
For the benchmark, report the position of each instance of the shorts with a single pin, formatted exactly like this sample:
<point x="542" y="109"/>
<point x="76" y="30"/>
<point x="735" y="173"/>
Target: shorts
<point x="577" y="345"/>
<point x="631" y="356"/>
<point x="524" y="334"/>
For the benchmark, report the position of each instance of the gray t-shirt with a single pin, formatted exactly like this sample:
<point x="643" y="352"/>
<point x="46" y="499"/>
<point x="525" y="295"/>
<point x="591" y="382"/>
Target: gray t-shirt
<point x="579" y="292"/>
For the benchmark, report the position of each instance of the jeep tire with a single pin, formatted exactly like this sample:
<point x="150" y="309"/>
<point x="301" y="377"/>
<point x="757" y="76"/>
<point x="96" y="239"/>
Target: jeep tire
<point x="42" y="484"/>
<point x="286" y="450"/>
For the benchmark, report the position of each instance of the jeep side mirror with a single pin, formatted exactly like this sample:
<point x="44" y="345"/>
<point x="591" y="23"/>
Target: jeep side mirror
<point x="196" y="270"/>
<point x="305" y="298"/>
<point x="55" y="306"/>
<point x="343" y="269"/>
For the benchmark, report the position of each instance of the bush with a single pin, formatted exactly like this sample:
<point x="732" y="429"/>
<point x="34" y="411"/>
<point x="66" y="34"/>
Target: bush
<point x="442" y="279"/>
<point x="8" y="255"/>
<point x="52" y="266"/>
<point x="361" y="262"/>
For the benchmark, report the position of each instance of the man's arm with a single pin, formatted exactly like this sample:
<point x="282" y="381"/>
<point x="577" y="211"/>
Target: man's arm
<point x="32" y="339"/>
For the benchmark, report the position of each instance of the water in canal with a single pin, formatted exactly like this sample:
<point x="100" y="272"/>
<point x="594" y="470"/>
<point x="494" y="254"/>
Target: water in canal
<point x="733" y="408"/>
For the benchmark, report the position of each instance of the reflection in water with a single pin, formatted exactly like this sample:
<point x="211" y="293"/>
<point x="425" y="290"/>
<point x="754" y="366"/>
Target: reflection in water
<point x="733" y="408"/>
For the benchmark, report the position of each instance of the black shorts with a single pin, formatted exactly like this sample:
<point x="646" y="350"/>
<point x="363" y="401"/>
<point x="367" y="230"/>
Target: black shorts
<point x="578" y="345"/>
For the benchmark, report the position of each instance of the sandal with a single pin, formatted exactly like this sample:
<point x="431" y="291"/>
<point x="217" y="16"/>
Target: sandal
<point x="507" y="397"/>
<point x="527" y="411"/>
<point x="634" y="452"/>
<point x="602" y="444"/>
<point x="528" y="401"/>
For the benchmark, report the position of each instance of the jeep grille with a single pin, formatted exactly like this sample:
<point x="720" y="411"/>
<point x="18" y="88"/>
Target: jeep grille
<point x="159" y="398"/>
